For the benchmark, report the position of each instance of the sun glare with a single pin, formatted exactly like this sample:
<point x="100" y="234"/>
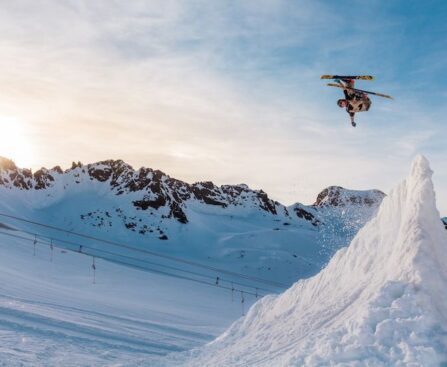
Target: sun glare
<point x="14" y="141"/>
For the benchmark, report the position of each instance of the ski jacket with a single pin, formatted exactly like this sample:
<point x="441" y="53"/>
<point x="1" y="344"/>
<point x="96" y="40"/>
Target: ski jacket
<point x="357" y="102"/>
<point x="358" y="105"/>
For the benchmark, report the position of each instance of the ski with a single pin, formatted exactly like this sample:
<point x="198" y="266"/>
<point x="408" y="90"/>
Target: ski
<point x="358" y="77"/>
<point x="360" y="90"/>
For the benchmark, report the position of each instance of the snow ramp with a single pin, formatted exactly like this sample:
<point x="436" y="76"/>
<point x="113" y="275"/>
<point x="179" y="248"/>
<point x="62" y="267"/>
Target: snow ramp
<point x="380" y="302"/>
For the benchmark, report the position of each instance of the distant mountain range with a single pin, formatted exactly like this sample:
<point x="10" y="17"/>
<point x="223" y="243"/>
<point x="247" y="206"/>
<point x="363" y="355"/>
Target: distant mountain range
<point x="156" y="192"/>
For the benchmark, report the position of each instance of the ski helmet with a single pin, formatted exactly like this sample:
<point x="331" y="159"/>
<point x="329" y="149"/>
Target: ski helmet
<point x="342" y="103"/>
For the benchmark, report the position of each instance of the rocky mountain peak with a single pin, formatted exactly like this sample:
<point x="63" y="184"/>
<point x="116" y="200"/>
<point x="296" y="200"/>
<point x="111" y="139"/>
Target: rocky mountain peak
<point x="146" y="188"/>
<point x="339" y="196"/>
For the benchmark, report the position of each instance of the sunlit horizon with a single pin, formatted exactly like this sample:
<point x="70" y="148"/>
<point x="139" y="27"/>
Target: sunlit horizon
<point x="16" y="143"/>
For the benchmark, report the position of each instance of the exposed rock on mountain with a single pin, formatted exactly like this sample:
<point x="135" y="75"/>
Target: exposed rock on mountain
<point x="155" y="188"/>
<point x="338" y="196"/>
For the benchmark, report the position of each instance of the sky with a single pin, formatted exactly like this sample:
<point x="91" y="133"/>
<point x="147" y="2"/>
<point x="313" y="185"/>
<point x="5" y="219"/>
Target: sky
<point x="227" y="91"/>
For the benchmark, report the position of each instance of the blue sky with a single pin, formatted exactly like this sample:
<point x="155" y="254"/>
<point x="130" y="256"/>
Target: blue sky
<point x="227" y="91"/>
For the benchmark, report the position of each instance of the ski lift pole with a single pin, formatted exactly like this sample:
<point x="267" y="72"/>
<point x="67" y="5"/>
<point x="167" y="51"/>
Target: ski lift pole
<point x="94" y="270"/>
<point x="51" y="248"/>
<point x="242" y="303"/>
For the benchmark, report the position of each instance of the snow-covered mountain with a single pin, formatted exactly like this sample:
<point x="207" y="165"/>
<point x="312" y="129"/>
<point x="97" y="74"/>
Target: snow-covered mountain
<point x="149" y="190"/>
<point x="340" y="197"/>
<point x="228" y="224"/>
<point x="379" y="302"/>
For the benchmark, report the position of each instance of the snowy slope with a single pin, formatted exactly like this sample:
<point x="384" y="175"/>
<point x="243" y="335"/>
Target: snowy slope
<point x="51" y="313"/>
<point x="379" y="302"/>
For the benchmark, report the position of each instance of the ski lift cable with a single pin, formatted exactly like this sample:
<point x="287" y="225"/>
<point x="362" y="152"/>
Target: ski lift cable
<point x="78" y="246"/>
<point x="143" y="268"/>
<point x="96" y="251"/>
<point x="153" y="253"/>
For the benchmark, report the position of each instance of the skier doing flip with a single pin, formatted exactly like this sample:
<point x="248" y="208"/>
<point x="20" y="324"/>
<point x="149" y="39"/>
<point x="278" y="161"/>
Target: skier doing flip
<point x="354" y="101"/>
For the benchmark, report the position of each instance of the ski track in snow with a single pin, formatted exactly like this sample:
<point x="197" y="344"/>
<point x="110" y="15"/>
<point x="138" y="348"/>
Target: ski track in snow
<point x="51" y="315"/>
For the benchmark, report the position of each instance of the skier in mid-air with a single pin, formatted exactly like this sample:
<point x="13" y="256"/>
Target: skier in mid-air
<point x="356" y="100"/>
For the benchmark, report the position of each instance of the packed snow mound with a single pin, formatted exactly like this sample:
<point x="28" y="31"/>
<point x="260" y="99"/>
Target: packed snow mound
<point x="379" y="302"/>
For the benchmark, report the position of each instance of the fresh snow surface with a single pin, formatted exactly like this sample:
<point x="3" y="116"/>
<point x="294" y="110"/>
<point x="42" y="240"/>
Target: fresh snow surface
<point x="51" y="313"/>
<point x="380" y="302"/>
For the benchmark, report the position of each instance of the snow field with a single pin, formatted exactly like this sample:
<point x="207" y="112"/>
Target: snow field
<point x="51" y="314"/>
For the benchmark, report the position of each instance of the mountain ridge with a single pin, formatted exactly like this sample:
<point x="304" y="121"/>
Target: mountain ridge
<point x="160" y="190"/>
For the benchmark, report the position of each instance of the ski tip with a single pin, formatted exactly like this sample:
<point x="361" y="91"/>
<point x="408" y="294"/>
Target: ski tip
<point x="383" y="95"/>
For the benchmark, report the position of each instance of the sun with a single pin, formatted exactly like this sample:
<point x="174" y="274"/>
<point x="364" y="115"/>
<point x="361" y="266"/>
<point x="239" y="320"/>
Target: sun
<point x="15" y="141"/>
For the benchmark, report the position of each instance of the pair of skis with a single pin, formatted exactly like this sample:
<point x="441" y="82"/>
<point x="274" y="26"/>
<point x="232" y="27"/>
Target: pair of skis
<point x="357" y="77"/>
